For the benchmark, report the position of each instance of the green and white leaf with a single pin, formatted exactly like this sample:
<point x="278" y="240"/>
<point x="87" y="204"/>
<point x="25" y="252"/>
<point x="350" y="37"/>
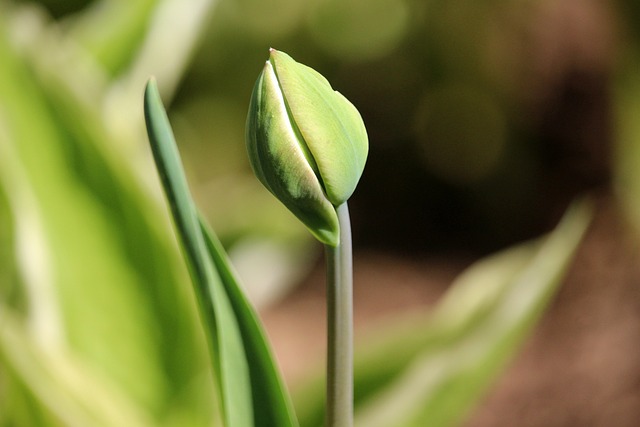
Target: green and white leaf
<point x="96" y="265"/>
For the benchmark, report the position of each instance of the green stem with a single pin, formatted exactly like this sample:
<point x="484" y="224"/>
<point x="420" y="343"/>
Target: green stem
<point x="340" y="326"/>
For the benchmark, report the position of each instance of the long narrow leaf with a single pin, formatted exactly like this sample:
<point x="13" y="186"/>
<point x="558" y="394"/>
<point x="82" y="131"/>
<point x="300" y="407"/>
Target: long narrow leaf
<point x="443" y="383"/>
<point x="228" y="355"/>
<point x="272" y="405"/>
<point x="248" y="382"/>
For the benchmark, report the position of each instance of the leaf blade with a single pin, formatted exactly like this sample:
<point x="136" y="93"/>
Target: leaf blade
<point x="272" y="404"/>
<point x="227" y="352"/>
<point x="269" y="404"/>
<point x="443" y="383"/>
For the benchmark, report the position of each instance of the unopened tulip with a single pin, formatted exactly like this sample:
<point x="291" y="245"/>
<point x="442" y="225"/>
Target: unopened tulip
<point x="307" y="143"/>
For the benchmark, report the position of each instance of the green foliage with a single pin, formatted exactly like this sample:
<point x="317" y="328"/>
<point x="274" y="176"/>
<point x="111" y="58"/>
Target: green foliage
<point x="432" y="369"/>
<point x="92" y="304"/>
<point x="433" y="373"/>
<point x="472" y="333"/>
<point x="248" y="383"/>
<point x="48" y="386"/>
<point x="98" y="326"/>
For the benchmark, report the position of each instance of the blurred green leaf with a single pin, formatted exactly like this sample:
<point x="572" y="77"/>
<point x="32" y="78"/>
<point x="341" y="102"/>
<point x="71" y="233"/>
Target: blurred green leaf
<point x="359" y="30"/>
<point x="76" y="237"/>
<point x="430" y="370"/>
<point x="55" y="385"/>
<point x="627" y="111"/>
<point x="443" y="382"/>
<point x="248" y="381"/>
<point x="112" y="30"/>
<point x="89" y="244"/>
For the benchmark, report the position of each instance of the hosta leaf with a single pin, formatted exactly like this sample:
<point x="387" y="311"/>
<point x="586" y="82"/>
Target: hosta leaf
<point x="67" y="247"/>
<point x="53" y="386"/>
<point x="83" y="224"/>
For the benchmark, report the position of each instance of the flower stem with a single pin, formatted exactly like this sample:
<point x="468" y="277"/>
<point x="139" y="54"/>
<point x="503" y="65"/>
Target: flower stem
<point x="339" y="412"/>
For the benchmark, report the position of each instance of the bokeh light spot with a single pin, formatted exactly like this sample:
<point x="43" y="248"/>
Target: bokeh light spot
<point x="359" y="29"/>
<point x="461" y="133"/>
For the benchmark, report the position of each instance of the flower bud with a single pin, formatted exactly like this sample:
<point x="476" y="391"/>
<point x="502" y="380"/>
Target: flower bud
<point x="307" y="143"/>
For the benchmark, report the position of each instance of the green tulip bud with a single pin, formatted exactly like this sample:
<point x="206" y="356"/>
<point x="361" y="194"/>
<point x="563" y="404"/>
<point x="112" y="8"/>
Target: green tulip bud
<point x="307" y="143"/>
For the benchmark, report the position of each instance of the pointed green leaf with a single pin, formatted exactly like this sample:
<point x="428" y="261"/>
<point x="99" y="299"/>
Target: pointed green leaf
<point x="442" y="383"/>
<point x="272" y="404"/>
<point x="227" y="352"/>
<point x="250" y="388"/>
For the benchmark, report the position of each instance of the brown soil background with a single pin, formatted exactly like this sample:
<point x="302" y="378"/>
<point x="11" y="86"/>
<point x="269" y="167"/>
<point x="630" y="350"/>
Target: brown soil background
<point x="579" y="368"/>
<point x="581" y="365"/>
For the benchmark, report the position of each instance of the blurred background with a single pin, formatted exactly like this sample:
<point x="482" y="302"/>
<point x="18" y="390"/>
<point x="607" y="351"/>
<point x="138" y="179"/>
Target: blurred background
<point x="485" y="120"/>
